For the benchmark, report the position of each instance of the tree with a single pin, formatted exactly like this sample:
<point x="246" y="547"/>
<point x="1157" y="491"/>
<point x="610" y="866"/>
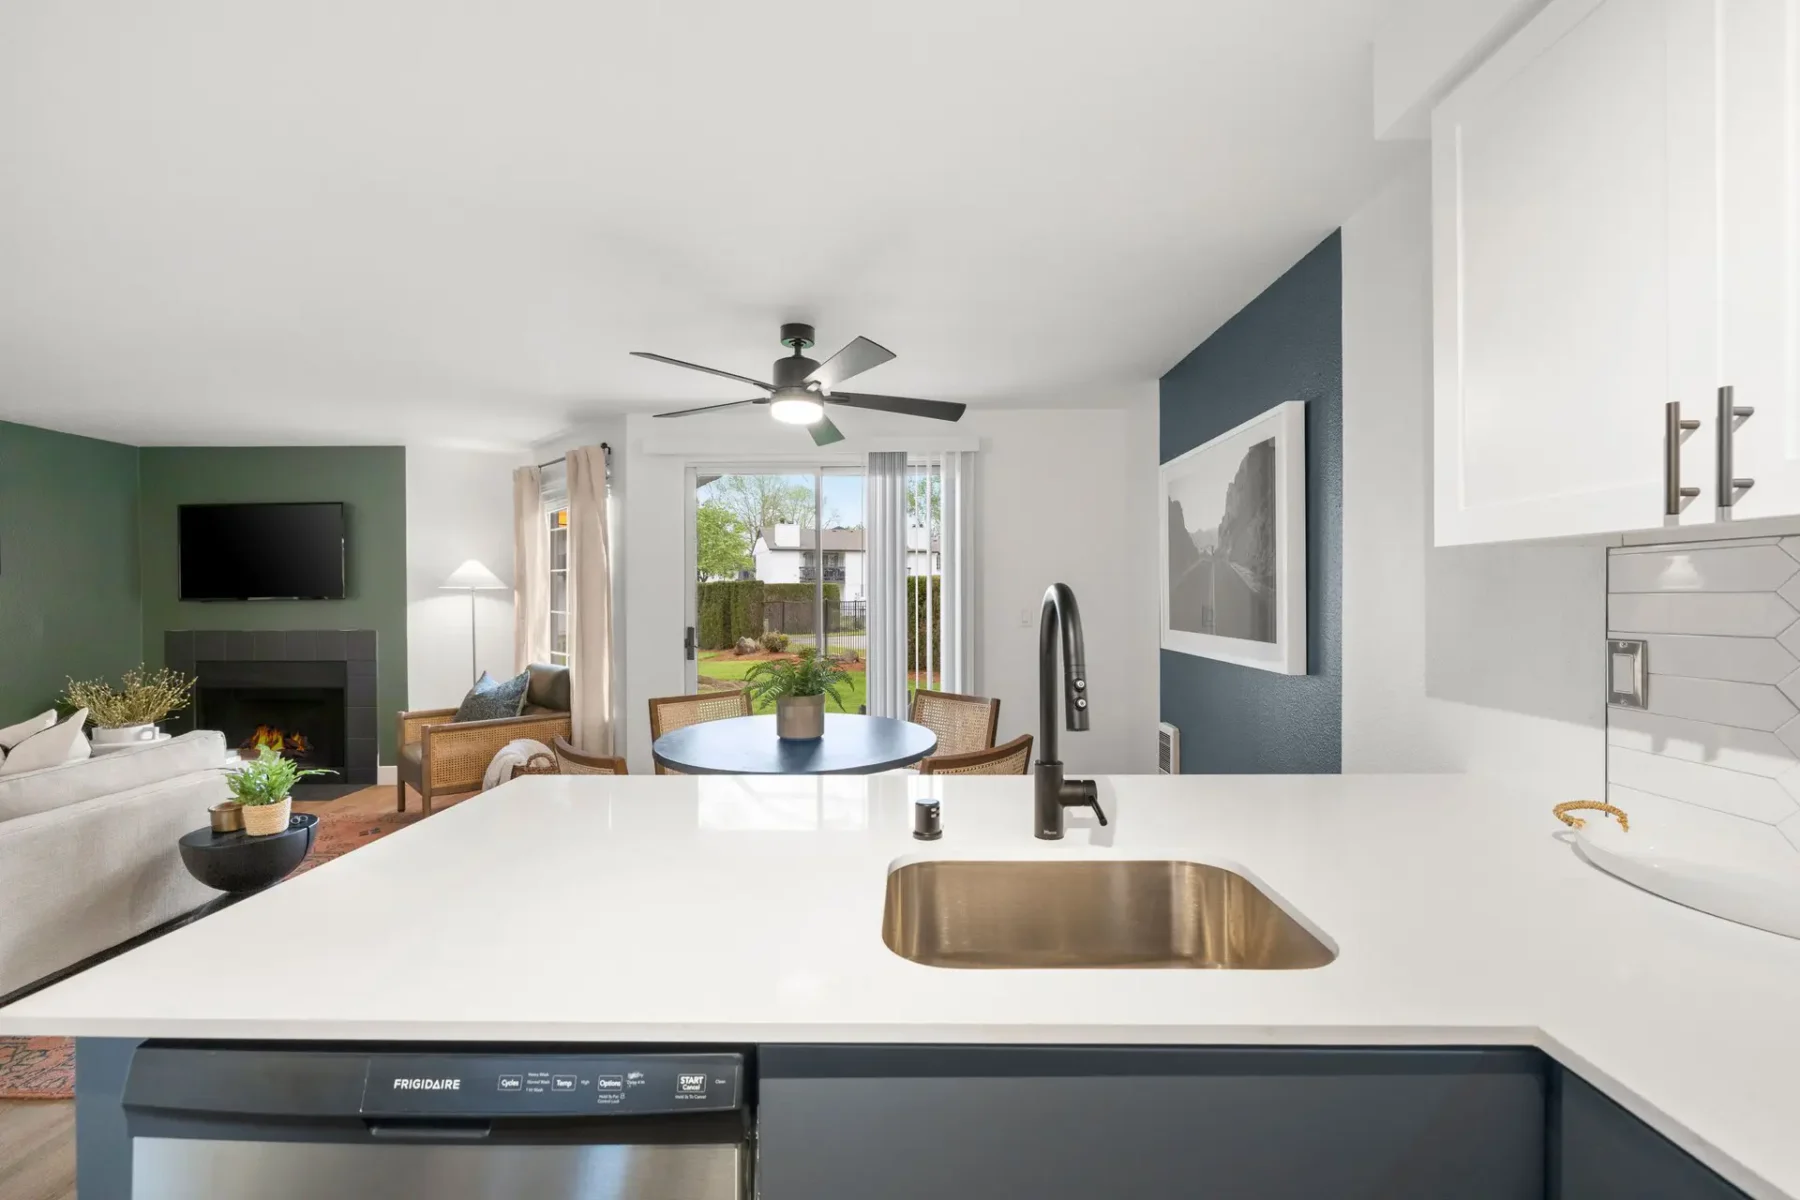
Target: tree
<point x="722" y="542"/>
<point x="761" y="502"/>
<point x="925" y="501"/>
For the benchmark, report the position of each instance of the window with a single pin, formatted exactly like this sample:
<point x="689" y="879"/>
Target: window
<point x="559" y="585"/>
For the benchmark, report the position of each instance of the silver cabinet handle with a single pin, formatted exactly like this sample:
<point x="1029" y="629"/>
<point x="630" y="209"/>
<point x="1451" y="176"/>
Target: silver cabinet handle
<point x="1731" y="415"/>
<point x="1675" y="497"/>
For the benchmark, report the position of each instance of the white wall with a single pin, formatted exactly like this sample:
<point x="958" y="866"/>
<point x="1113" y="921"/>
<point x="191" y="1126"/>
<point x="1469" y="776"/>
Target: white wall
<point x="1457" y="659"/>
<point x="1064" y="494"/>
<point x="458" y="507"/>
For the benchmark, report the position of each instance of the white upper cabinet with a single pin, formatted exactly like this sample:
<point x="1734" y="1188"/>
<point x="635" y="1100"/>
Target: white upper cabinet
<point x="1576" y="293"/>
<point x="1759" y="196"/>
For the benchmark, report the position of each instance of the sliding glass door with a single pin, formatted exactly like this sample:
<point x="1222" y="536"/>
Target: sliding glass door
<point x="777" y="566"/>
<point x="779" y="562"/>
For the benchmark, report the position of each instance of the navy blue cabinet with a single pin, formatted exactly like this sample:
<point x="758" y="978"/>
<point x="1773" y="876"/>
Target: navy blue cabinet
<point x="962" y="1123"/>
<point x="1598" y="1151"/>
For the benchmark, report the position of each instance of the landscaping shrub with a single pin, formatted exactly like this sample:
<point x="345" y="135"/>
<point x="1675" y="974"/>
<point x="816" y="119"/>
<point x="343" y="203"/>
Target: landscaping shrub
<point x="924" y="604"/>
<point x="730" y="609"/>
<point x="774" y="642"/>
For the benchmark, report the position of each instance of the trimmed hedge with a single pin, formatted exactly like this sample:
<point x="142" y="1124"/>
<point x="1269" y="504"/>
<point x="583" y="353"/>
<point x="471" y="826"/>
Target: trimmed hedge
<point x="730" y="609"/>
<point x="790" y="592"/>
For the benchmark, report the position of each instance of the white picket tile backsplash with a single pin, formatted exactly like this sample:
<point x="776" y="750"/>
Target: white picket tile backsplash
<point x="1718" y="745"/>
<point x="1739" y="659"/>
<point x="1719" y="569"/>
<point x="1746" y="705"/>
<point x="1734" y="614"/>
<point x="1752" y="750"/>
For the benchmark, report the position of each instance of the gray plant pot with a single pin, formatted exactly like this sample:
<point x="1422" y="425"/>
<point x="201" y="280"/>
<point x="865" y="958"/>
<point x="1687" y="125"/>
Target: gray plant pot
<point x="800" y="718"/>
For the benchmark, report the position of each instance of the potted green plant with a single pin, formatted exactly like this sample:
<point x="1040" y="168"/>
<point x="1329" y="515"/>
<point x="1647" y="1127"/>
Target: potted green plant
<point x="128" y="714"/>
<point x="799" y="687"/>
<point x="263" y="787"/>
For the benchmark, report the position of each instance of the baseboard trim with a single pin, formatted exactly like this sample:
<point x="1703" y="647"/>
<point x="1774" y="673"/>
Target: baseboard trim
<point x="388" y="774"/>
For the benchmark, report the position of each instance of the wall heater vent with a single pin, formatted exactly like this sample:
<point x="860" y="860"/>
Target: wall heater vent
<point x="1168" y="749"/>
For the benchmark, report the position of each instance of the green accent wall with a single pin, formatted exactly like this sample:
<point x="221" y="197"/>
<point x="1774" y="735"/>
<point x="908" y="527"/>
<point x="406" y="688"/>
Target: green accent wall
<point x="68" y="564"/>
<point x="369" y="480"/>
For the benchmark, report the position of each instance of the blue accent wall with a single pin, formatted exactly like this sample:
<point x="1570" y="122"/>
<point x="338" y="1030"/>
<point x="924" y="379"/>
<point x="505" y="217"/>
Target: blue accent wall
<point x="1287" y="344"/>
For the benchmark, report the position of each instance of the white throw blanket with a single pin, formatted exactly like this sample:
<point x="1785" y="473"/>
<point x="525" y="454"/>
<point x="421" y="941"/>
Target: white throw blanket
<point x="515" y="753"/>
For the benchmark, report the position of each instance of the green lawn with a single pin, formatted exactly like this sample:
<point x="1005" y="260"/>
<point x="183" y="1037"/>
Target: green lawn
<point x="855" y="691"/>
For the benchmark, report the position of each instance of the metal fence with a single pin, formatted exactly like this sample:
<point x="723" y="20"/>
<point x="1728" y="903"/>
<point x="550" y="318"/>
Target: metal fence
<point x="796" y="616"/>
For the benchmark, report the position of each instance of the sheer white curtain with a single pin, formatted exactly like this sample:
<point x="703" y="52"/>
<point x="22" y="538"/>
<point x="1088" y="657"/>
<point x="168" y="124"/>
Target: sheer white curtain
<point x="590" y="602"/>
<point x="957" y="539"/>
<point x="884" y="515"/>
<point x="531" y="570"/>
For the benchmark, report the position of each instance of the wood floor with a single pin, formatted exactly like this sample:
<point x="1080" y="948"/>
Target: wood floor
<point x="37" y="1137"/>
<point x="37" y="1149"/>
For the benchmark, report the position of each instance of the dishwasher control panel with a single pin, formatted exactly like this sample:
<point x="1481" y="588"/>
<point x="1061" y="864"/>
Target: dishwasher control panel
<point x="550" y="1085"/>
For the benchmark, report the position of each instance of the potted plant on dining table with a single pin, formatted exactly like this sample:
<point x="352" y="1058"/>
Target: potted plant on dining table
<point x="798" y="686"/>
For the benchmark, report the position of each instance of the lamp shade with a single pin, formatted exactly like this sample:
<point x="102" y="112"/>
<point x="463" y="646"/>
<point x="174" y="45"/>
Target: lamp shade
<point x="472" y="576"/>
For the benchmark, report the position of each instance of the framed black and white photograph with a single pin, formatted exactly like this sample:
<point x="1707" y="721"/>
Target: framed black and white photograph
<point x="1234" y="545"/>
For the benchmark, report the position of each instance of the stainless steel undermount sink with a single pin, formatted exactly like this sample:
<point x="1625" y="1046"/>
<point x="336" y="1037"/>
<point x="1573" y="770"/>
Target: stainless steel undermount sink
<point x="1083" y="913"/>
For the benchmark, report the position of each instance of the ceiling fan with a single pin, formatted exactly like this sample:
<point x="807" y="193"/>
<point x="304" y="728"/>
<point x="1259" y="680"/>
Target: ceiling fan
<point x="803" y="387"/>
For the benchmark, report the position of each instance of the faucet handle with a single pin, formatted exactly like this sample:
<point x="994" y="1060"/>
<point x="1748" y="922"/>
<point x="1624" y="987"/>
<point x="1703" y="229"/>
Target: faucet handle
<point x="1084" y="793"/>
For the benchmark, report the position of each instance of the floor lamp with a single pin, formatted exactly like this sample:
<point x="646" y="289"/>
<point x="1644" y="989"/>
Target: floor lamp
<point x="472" y="577"/>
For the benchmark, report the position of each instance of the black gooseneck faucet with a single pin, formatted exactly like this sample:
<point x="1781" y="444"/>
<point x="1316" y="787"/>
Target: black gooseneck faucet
<point x="1053" y="793"/>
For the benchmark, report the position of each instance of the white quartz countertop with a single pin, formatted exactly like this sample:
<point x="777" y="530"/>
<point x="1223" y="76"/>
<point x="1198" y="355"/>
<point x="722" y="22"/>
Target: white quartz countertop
<point x="732" y="909"/>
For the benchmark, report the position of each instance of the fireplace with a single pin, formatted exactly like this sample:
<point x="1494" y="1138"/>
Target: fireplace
<point x="294" y="707"/>
<point x="307" y="693"/>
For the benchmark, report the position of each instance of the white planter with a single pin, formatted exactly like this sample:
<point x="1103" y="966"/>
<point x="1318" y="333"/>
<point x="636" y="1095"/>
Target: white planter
<point x="125" y="735"/>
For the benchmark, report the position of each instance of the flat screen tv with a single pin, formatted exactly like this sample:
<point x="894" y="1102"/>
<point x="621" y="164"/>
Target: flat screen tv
<point x="262" y="551"/>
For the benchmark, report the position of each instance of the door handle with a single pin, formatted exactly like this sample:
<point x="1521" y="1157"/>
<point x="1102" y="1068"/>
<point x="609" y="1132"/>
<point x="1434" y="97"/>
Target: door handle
<point x="687" y="643"/>
<point x="1675" y="497"/>
<point x="1731" y="415"/>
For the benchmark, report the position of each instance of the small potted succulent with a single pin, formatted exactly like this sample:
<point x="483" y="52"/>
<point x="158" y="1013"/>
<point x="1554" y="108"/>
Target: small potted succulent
<point x="128" y="714"/>
<point x="263" y="787"/>
<point x="799" y="687"/>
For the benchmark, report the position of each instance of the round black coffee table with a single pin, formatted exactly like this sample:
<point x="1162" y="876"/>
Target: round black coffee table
<point x="237" y="862"/>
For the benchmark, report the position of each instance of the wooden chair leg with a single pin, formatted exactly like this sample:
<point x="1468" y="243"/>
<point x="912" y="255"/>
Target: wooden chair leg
<point x="425" y="798"/>
<point x="399" y="794"/>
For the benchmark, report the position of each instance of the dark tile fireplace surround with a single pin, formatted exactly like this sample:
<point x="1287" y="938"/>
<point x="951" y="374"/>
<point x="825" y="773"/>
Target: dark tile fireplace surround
<point x="316" y="687"/>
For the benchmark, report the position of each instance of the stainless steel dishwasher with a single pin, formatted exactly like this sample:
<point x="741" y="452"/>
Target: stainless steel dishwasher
<point x="249" y="1123"/>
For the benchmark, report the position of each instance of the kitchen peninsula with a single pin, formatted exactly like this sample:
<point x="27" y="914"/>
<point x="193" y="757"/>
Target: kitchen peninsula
<point x="746" y="914"/>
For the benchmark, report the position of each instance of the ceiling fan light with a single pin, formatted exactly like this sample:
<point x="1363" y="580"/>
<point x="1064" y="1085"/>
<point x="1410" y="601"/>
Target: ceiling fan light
<point x="795" y="407"/>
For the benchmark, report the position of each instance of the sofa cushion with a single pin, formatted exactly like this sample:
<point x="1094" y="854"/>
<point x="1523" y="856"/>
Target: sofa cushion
<point x="62" y="743"/>
<point x="30" y="792"/>
<point x="12" y="735"/>
<point x="549" y="690"/>
<point x="493" y="699"/>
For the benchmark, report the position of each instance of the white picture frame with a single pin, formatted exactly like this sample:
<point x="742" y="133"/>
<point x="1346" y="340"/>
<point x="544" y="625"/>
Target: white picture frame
<point x="1232" y="598"/>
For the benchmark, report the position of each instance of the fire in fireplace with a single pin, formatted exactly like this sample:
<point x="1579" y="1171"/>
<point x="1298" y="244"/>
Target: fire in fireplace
<point x="279" y="740"/>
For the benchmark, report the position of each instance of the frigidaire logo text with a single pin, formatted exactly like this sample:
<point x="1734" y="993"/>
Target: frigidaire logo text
<point x="427" y="1085"/>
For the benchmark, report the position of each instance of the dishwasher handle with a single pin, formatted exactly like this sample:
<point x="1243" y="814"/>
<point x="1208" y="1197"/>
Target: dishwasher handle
<point x="430" y="1130"/>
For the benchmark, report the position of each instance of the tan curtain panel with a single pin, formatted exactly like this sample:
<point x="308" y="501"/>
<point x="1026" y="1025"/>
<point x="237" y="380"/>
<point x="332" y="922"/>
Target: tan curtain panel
<point x="590" y="602"/>
<point x="531" y="570"/>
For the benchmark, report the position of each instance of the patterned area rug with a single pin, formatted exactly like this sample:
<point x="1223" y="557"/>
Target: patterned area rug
<point x="44" y="1068"/>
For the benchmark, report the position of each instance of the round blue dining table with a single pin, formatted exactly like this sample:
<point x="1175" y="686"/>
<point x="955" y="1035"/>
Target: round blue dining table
<point x="852" y="745"/>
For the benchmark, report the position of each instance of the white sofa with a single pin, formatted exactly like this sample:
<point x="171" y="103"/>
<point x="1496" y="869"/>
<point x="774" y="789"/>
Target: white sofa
<point x="88" y="854"/>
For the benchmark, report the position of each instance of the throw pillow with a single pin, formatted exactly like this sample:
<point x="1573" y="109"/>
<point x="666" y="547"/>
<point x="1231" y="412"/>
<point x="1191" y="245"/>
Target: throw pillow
<point x="492" y="698"/>
<point x="53" y="747"/>
<point x="12" y="735"/>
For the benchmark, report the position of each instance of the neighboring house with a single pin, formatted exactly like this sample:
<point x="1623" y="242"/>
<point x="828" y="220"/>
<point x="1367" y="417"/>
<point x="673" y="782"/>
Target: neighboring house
<point x="791" y="554"/>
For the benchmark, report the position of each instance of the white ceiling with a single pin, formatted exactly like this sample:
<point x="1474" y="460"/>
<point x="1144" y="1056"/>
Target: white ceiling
<point x="231" y="222"/>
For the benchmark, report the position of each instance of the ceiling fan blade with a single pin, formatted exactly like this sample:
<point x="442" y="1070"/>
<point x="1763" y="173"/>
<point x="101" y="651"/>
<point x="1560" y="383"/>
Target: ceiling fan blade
<point x="824" y="432"/>
<point x="688" y="412"/>
<point x="937" y="410"/>
<point x="676" y="362"/>
<point x="854" y="359"/>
